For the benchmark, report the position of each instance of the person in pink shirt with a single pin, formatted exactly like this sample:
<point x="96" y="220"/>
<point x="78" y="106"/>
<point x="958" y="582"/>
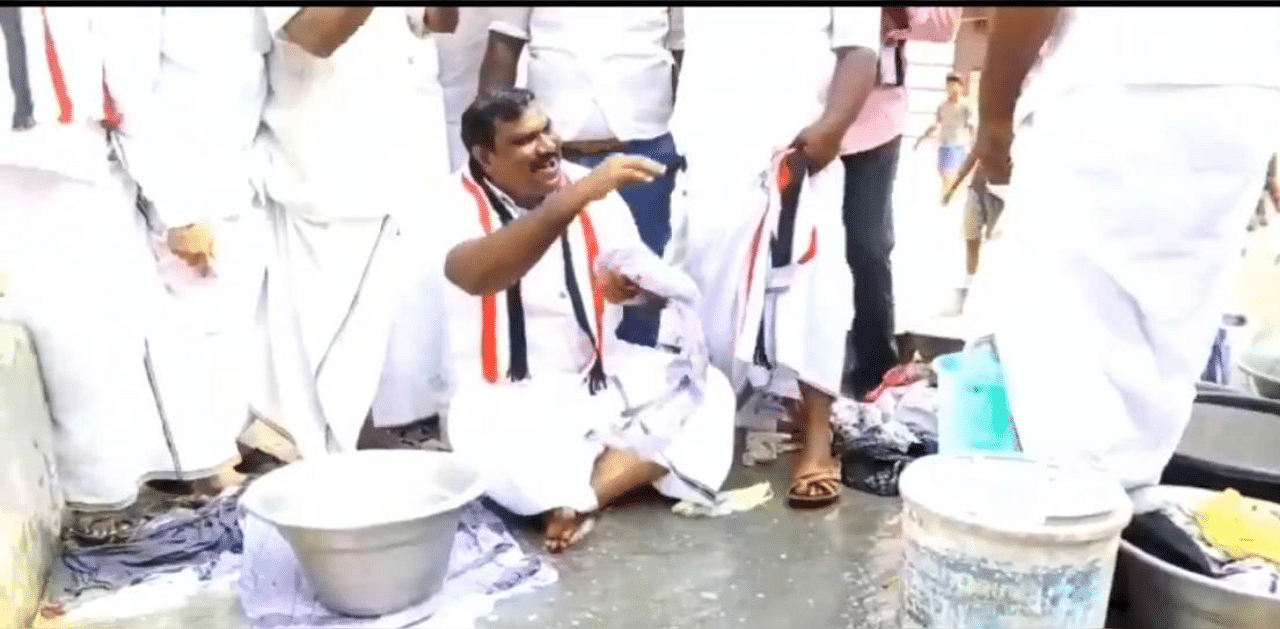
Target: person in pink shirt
<point x="870" y="155"/>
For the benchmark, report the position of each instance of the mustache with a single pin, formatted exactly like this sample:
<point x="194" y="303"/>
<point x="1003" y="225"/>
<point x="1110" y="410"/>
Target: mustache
<point x="546" y="158"/>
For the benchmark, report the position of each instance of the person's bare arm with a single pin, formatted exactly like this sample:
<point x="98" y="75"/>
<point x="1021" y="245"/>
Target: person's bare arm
<point x="508" y="34"/>
<point x="492" y="263"/>
<point x="440" y="19"/>
<point x="1013" y="47"/>
<point x="322" y="30"/>
<point x="1273" y="181"/>
<point x="486" y="265"/>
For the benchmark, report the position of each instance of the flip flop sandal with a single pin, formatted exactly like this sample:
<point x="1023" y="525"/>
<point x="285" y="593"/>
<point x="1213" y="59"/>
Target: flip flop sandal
<point x="798" y="500"/>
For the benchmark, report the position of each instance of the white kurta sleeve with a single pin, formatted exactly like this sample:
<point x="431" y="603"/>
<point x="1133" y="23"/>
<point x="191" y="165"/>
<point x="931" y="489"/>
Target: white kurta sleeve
<point x="277" y="17"/>
<point x="512" y="21"/>
<point x="675" y="29"/>
<point x="184" y="143"/>
<point x="855" y="26"/>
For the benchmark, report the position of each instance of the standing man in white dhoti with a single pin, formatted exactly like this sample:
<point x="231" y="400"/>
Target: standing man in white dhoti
<point x="539" y="367"/>
<point x="347" y="147"/>
<point x="755" y="81"/>
<point x="1138" y="163"/>
<point x="191" y="83"/>
<point x="73" y="247"/>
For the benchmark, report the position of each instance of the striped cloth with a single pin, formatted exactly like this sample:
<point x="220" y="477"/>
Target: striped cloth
<point x="34" y="63"/>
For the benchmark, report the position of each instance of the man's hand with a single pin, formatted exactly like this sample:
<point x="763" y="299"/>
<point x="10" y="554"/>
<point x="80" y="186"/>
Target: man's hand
<point x="951" y="192"/>
<point x="194" y="245"/>
<point x="820" y="142"/>
<point x="617" y="288"/>
<point x="618" y="171"/>
<point x="992" y="149"/>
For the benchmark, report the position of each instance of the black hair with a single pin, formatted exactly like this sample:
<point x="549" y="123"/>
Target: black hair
<point x="954" y="78"/>
<point x="480" y="121"/>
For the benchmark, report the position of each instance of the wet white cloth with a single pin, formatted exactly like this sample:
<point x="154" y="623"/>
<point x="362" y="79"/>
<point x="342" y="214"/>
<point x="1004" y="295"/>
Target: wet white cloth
<point x="658" y="403"/>
<point x="487" y="565"/>
<point x="1125" y="212"/>
<point x="348" y="147"/>
<point x="775" y="91"/>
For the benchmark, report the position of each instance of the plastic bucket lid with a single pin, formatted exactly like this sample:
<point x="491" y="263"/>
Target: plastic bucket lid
<point x="1018" y="496"/>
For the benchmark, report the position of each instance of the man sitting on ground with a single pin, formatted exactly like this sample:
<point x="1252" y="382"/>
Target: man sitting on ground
<point x="531" y="329"/>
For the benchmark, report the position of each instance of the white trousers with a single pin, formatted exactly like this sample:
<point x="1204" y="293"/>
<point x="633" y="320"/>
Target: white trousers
<point x="530" y="438"/>
<point x="1125" y="211"/>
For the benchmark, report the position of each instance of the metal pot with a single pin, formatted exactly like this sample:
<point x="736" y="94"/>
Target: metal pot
<point x="1261" y="362"/>
<point x="372" y="530"/>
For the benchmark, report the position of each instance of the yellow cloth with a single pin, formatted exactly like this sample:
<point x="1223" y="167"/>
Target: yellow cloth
<point x="1242" y="528"/>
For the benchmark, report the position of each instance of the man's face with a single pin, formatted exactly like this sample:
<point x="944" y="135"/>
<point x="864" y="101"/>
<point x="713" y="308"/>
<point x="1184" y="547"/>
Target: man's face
<point x="525" y="160"/>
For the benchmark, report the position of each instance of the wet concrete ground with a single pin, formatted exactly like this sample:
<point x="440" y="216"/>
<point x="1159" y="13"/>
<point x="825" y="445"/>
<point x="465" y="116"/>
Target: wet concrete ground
<point x="644" y="566"/>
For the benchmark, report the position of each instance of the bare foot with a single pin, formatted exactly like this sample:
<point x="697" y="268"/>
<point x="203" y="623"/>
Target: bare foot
<point x="565" y="527"/>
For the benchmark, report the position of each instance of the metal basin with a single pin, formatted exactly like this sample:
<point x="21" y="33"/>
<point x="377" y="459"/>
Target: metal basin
<point x="373" y="529"/>
<point x="1230" y="442"/>
<point x="1261" y="362"/>
<point x="1166" y="596"/>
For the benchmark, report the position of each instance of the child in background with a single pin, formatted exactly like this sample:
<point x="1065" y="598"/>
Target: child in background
<point x="981" y="211"/>
<point x="953" y="124"/>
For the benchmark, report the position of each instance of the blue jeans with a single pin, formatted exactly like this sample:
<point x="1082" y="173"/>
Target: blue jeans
<point x="651" y="208"/>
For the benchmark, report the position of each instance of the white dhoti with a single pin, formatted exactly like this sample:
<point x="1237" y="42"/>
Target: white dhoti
<point x="1125" y="211"/>
<point x="722" y="209"/>
<point x="198" y="342"/>
<point x="531" y="438"/>
<point x="327" y="310"/>
<point x="82" y="279"/>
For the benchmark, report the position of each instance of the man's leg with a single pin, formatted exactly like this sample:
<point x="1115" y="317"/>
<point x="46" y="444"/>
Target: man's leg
<point x="868" y="224"/>
<point x="651" y="208"/>
<point x="817" y="472"/>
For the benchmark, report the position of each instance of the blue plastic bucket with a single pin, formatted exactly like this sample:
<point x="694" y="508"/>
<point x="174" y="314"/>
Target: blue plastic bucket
<point x="973" y="408"/>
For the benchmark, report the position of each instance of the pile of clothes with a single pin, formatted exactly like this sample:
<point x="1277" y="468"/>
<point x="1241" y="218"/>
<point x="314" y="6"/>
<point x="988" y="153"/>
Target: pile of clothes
<point x="1227" y="537"/>
<point x="894" y="425"/>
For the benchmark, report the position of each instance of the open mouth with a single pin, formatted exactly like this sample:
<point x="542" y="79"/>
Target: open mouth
<point x="547" y="166"/>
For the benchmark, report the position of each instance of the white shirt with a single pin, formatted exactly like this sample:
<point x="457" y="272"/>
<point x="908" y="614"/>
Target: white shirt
<point x="1211" y="45"/>
<point x="556" y="344"/>
<point x="347" y="135"/>
<point x="77" y="148"/>
<point x="600" y="72"/>
<point x="773" y="63"/>
<point x="192" y="106"/>
<point x="461" y="53"/>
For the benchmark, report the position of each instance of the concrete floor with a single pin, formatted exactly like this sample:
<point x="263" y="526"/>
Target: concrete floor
<point x="643" y="566"/>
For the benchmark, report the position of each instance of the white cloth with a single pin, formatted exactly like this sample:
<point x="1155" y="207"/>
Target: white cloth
<point x="414" y="375"/>
<point x="461" y="53"/>
<point x="1126" y="208"/>
<point x="76" y="147"/>
<point x="80" y="278"/>
<point x="721" y="93"/>
<point x="659" y="402"/>
<point x="188" y="143"/>
<point x="610" y="65"/>
<point x="533" y="436"/>
<point x="348" y="148"/>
